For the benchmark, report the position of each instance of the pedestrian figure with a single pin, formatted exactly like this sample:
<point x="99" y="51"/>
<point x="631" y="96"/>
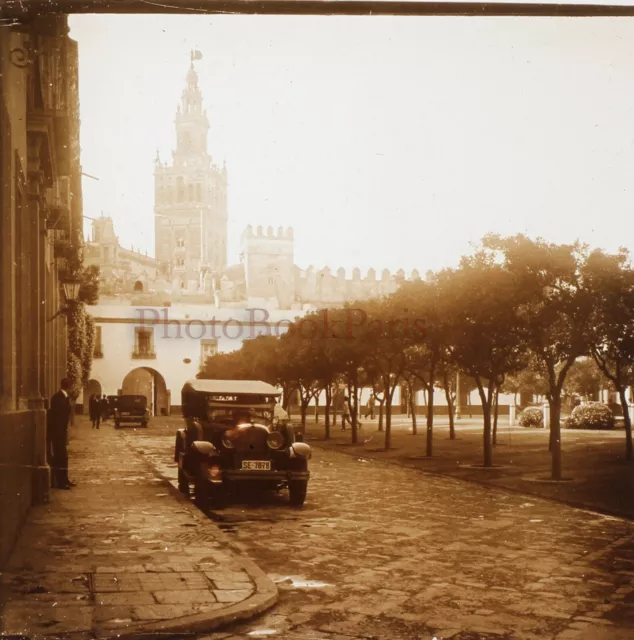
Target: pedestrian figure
<point x="95" y="410"/>
<point x="105" y="407"/>
<point x="370" y="407"/>
<point x="345" y="413"/>
<point x="57" y="419"/>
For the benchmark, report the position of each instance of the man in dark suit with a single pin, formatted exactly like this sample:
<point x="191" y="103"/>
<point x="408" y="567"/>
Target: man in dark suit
<point x="57" y="421"/>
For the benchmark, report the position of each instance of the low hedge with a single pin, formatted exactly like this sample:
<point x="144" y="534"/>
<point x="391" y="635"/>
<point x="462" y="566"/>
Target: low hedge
<point x="532" y="417"/>
<point x="591" y="415"/>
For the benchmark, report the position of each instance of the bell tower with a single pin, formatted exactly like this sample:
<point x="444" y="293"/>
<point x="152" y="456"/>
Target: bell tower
<point x="191" y="197"/>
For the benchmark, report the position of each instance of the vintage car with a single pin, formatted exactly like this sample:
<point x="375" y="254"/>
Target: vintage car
<point x="232" y="438"/>
<point x="131" y="410"/>
<point x="112" y="405"/>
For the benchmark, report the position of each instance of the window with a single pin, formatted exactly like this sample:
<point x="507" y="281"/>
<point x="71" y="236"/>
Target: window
<point x="98" y="350"/>
<point x="190" y="192"/>
<point x="208" y="348"/>
<point x="180" y="190"/>
<point x="180" y="262"/>
<point x="180" y="242"/>
<point x="198" y="193"/>
<point x="144" y="343"/>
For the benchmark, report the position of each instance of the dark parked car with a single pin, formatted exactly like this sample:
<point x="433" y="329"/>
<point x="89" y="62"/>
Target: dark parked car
<point x="112" y="405"/>
<point x="232" y="437"/>
<point x="131" y="410"/>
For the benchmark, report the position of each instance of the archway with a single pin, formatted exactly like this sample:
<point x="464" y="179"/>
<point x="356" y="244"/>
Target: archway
<point x="138" y="286"/>
<point x="93" y="386"/>
<point x="145" y="381"/>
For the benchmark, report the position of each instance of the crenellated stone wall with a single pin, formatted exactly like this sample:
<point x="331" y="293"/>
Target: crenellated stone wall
<point x="325" y="287"/>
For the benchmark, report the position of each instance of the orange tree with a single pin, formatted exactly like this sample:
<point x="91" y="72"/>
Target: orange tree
<point x="555" y="311"/>
<point x="477" y="304"/>
<point x="610" y="281"/>
<point x="425" y="340"/>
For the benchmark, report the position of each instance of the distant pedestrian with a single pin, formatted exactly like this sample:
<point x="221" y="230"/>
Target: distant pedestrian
<point x="94" y="408"/>
<point x="105" y="407"/>
<point x="57" y="419"/>
<point x="370" y="407"/>
<point x="345" y="413"/>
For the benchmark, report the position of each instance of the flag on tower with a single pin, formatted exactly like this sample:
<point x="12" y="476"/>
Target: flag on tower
<point x="196" y="55"/>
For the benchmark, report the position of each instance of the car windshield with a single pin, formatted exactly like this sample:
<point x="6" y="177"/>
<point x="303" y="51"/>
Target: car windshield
<point x="132" y="402"/>
<point x="236" y="415"/>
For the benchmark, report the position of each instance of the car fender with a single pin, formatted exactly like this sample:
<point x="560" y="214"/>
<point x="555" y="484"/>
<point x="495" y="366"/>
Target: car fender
<point x="300" y="450"/>
<point x="204" y="448"/>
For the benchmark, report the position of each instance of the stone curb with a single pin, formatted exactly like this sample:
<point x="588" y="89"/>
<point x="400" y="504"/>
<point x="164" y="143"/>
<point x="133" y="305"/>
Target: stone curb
<point x="611" y="513"/>
<point x="265" y="596"/>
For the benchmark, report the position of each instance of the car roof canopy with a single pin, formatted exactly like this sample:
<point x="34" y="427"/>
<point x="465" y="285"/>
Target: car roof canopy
<point x="228" y="387"/>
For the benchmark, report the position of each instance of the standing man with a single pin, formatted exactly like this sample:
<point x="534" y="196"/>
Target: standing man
<point x="95" y="410"/>
<point x="105" y="407"/>
<point x="57" y="420"/>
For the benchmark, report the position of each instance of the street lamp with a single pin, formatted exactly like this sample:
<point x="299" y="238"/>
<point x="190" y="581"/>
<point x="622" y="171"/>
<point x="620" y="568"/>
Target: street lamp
<point x="71" y="286"/>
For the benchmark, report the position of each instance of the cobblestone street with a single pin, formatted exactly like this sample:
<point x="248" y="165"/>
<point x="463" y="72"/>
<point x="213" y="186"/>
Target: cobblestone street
<point x="386" y="552"/>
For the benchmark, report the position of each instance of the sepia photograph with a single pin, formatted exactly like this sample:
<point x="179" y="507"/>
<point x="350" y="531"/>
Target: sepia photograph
<point x="317" y="320"/>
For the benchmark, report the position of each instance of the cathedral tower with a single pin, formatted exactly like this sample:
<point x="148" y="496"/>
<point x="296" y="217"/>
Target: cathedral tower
<point x="191" y="197"/>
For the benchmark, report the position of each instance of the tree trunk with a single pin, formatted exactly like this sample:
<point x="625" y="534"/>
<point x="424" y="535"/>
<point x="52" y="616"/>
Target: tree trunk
<point x="352" y="396"/>
<point x="327" y="414"/>
<point x="495" y="417"/>
<point x="486" y="416"/>
<point x="303" y="409"/>
<point x="412" y="408"/>
<point x="388" y="421"/>
<point x="627" y="422"/>
<point x="450" y="406"/>
<point x="381" y="404"/>
<point x="555" y="435"/>
<point x="430" y="420"/>
<point x="316" y="408"/>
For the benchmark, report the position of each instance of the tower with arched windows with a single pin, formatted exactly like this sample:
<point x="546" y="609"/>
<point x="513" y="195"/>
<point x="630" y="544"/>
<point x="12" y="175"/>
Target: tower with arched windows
<point x="191" y="197"/>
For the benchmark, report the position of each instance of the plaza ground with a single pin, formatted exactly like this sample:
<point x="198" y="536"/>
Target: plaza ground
<point x="383" y="551"/>
<point x="379" y="550"/>
<point x="596" y="474"/>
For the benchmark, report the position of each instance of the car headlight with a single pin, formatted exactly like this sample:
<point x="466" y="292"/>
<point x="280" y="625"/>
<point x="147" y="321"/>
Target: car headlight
<point x="226" y="442"/>
<point x="275" y="440"/>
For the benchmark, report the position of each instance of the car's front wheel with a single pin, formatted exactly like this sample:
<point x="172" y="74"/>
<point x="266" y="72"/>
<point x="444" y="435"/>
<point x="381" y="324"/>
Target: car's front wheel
<point x="297" y="490"/>
<point x="183" y="483"/>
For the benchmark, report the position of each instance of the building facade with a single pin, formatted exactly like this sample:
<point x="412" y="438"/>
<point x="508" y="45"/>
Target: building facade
<point x="40" y="218"/>
<point x="152" y="351"/>
<point x="189" y="282"/>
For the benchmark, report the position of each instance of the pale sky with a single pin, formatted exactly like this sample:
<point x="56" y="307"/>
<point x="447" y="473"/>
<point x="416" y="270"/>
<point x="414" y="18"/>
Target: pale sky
<point x="385" y="142"/>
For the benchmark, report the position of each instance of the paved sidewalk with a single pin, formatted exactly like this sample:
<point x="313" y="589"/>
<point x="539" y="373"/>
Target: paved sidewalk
<point x="123" y="555"/>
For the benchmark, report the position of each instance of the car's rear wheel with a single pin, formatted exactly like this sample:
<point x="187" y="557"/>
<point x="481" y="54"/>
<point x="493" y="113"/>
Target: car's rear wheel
<point x="297" y="490"/>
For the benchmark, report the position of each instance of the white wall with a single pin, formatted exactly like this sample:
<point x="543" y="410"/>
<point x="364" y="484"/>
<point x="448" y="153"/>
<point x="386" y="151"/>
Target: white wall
<point x="175" y="341"/>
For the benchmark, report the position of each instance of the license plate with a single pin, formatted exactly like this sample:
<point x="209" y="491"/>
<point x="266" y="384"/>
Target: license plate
<point x="256" y="465"/>
<point x="125" y="413"/>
